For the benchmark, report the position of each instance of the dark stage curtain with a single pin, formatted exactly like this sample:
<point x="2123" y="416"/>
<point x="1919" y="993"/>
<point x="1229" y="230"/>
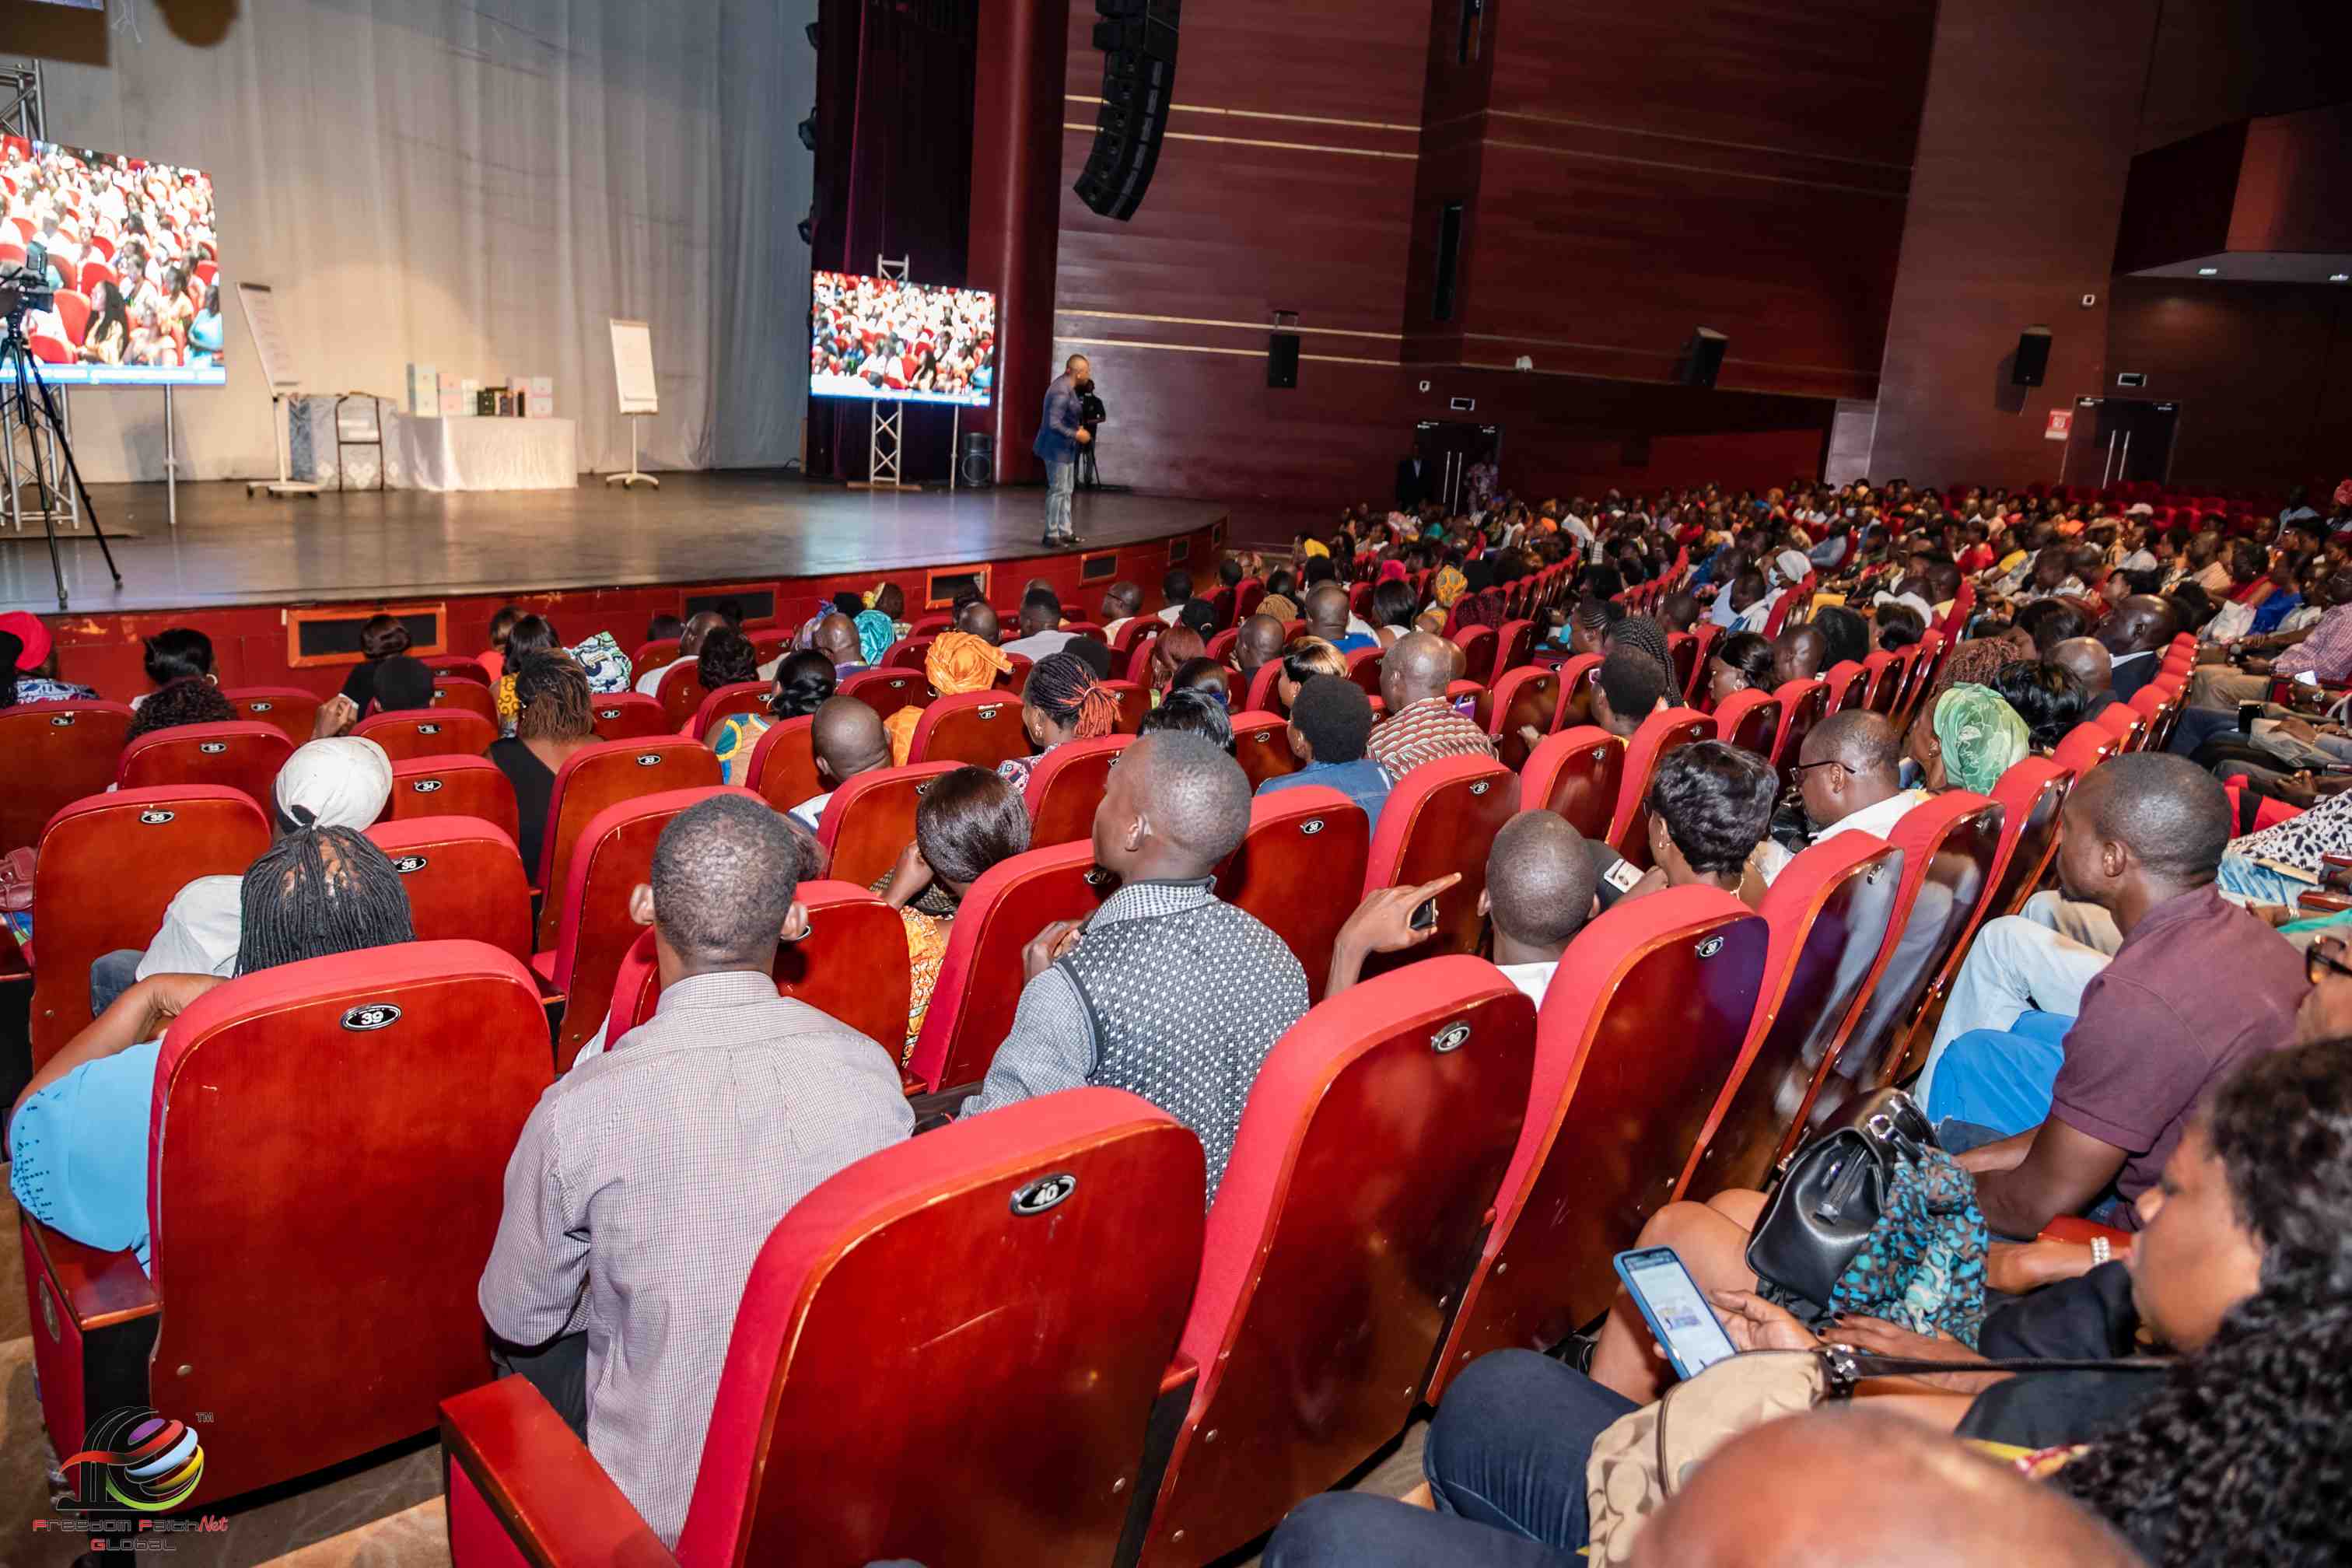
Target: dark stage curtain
<point x="894" y="178"/>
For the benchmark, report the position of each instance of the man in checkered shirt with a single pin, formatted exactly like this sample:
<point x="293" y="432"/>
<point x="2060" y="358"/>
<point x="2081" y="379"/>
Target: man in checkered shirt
<point x="1422" y="725"/>
<point x="649" y="1177"/>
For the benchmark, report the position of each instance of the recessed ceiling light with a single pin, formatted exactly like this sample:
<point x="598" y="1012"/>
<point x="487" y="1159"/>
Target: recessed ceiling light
<point x="2209" y="272"/>
<point x="2340" y="277"/>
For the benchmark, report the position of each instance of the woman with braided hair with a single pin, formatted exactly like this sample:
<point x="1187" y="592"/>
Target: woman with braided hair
<point x="553" y="720"/>
<point x="1063" y="702"/>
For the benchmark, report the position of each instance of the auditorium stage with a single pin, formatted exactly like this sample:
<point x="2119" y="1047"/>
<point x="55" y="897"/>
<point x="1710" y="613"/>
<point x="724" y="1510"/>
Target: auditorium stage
<point x="731" y="526"/>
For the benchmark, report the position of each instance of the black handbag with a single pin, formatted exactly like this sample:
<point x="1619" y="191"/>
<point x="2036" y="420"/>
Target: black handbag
<point x="1827" y="1196"/>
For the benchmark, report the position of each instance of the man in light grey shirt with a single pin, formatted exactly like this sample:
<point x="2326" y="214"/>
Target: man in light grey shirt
<point x="649" y="1177"/>
<point x="1041" y="625"/>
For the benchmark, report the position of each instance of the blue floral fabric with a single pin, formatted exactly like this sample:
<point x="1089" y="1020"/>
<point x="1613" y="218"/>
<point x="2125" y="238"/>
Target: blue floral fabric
<point x="1923" y="1267"/>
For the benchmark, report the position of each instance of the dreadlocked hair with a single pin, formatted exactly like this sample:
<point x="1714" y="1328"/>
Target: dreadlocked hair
<point x="318" y="891"/>
<point x="1066" y="691"/>
<point x="2244" y="1453"/>
<point x="551" y="693"/>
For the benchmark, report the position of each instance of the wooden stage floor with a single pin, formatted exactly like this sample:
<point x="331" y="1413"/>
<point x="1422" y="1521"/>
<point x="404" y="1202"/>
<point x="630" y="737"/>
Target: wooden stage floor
<point x="741" y="524"/>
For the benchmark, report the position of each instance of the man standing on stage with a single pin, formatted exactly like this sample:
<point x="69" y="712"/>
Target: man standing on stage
<point x="1058" y="440"/>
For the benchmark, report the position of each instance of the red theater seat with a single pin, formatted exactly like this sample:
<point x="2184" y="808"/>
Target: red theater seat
<point x="597" y="776"/>
<point x="631" y="716"/>
<point x="1314" y="1244"/>
<point x="1265" y="690"/>
<point x="428" y="732"/>
<point x="680" y="692"/>
<point x="451" y="786"/>
<point x="980" y="975"/>
<point x="1828" y="910"/>
<point x="869" y="821"/>
<point x="465" y="666"/>
<point x="1629" y="827"/>
<point x="1579" y="773"/>
<point x="910" y="652"/>
<point x="138" y="848"/>
<point x="1302" y="844"/>
<point x="1683" y="648"/>
<point x="1065" y="788"/>
<point x="2085" y="746"/>
<point x="1219" y="647"/>
<point x="327" y="1156"/>
<point x="463" y="881"/>
<point x="1576" y="681"/>
<point x="782" y="769"/>
<point x="1134" y="701"/>
<point x="1637" y="1036"/>
<point x="1262" y="746"/>
<point x="736" y="697"/>
<point x="1750" y="721"/>
<point x="1477" y="646"/>
<point x="1515" y="644"/>
<point x="852" y="966"/>
<point x="658" y="653"/>
<point x="1526" y="697"/>
<point x="1883" y="681"/>
<point x="992" y="1414"/>
<point x="56" y="753"/>
<point x="1846" y="681"/>
<point x="888" y="690"/>
<point x="2129" y="724"/>
<point x="291" y="709"/>
<point x="983" y="728"/>
<point x="1803" y="704"/>
<point x="1364" y="668"/>
<point x="1442" y="818"/>
<point x="614" y="853"/>
<point x="242" y="756"/>
<point x="454" y="691"/>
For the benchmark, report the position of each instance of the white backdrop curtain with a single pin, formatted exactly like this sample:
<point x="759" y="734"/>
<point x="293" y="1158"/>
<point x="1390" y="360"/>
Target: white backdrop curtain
<point x="479" y="187"/>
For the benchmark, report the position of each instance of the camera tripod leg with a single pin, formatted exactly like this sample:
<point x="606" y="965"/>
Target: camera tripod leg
<point x="64" y="447"/>
<point x="22" y="413"/>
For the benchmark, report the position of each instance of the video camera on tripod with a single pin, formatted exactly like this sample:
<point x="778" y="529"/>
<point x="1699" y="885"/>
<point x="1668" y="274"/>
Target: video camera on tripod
<point x="27" y="403"/>
<point x="24" y="285"/>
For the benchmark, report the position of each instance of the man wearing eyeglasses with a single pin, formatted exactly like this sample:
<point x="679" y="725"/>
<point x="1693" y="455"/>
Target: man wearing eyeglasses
<point x="1848" y="774"/>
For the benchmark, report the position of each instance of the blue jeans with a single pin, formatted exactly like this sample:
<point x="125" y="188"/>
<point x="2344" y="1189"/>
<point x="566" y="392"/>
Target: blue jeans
<point x="2240" y="877"/>
<point x="1061" y="479"/>
<point x="110" y="974"/>
<point x="1505" y="1466"/>
<point x="2001" y="1079"/>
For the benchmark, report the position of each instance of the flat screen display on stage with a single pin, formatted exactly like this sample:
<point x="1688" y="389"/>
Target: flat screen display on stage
<point x="128" y="247"/>
<point x="885" y="339"/>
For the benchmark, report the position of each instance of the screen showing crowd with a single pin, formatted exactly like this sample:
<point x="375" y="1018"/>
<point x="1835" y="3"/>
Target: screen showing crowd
<point x="883" y="338"/>
<point x="127" y="251"/>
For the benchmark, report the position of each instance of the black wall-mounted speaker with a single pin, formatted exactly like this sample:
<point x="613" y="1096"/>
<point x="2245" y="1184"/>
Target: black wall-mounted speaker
<point x="1138" y="40"/>
<point x="1702" y="357"/>
<point x="1282" y="359"/>
<point x="2032" y="357"/>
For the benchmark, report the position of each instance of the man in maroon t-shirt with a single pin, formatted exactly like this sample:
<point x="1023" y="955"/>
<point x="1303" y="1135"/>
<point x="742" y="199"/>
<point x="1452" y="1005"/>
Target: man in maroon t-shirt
<point x="2199" y="985"/>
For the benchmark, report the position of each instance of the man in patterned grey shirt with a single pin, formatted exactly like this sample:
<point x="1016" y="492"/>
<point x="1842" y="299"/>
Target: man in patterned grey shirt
<point x="1166" y="990"/>
<point x="647" y="1177"/>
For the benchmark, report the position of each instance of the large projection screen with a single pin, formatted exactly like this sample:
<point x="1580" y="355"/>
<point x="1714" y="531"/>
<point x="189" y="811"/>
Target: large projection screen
<point x="886" y="339"/>
<point x="130" y="248"/>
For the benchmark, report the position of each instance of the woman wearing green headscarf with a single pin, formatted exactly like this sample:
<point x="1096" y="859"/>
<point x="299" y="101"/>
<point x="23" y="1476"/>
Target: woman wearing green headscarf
<point x="1966" y="738"/>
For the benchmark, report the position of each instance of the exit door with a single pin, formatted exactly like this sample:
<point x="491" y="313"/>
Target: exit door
<point x="2123" y="439"/>
<point x="1467" y="458"/>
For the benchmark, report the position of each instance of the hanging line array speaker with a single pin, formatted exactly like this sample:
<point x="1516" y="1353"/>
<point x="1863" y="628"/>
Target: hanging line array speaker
<point x="1138" y="40"/>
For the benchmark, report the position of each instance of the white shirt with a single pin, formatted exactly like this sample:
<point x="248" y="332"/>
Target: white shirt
<point x="2138" y="560"/>
<point x="810" y="812"/>
<point x="1769" y="859"/>
<point x="1112" y="630"/>
<point x="1532" y="979"/>
<point x="1038" y="645"/>
<point x="1170" y="613"/>
<point x="200" y="931"/>
<point x="1361" y="628"/>
<point x="1756" y="615"/>
<point x="650" y="681"/>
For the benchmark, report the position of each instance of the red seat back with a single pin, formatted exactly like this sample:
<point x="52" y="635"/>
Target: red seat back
<point x="655" y="655"/>
<point x="596" y="778"/>
<point x="910" y="652"/>
<point x="1477" y="646"/>
<point x="327" y="1157"/>
<point x="1682" y="647"/>
<point x="1579" y="773"/>
<point x="463" y="881"/>
<point x="1882" y="677"/>
<point x="983" y="728"/>
<point x="1577" y="676"/>
<point x="1302" y="843"/>
<point x="242" y="755"/>
<point x="1440" y="817"/>
<point x="1363" y="668"/>
<point x="289" y="707"/>
<point x="1265" y="688"/>
<point x="56" y="753"/>
<point x="680" y="692"/>
<point x="1425" y="1072"/>
<point x="1137" y="633"/>
<point x="1629" y="827"/>
<point x="1828" y="910"/>
<point x="2129" y="723"/>
<point x="888" y="690"/>
<point x="428" y="732"/>
<point x="1262" y="745"/>
<point x="462" y="666"/>
<point x="109" y="867"/>
<point x="1803" y="704"/>
<point x="631" y="716"/>
<point x="2085" y="746"/>
<point x="1636" y="1037"/>
<point x="2032" y="792"/>
<point x="455" y="691"/>
<point x="1846" y="681"/>
<point x="1514" y="645"/>
<point x="1075" y="1222"/>
<point x="1134" y="701"/>
<point x="615" y="852"/>
<point x="1524" y="698"/>
<point x="736" y="697"/>
<point x="869" y="821"/>
<point x="980" y="975"/>
<point x="452" y="786"/>
<point x="1219" y="647"/>
<point x="782" y="770"/>
<point x="1068" y="785"/>
<point x="852" y="966"/>
<point x="1750" y="721"/>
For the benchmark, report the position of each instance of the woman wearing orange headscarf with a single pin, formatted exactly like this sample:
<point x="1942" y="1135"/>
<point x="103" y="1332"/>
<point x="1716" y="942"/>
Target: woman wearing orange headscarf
<point x="956" y="662"/>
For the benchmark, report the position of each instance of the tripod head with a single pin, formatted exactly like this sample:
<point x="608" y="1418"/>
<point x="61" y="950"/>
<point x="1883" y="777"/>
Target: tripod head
<point x="24" y="289"/>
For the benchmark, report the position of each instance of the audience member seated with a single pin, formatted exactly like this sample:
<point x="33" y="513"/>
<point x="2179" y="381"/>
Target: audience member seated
<point x="804" y="684"/>
<point x="1798" y="653"/>
<point x="502" y="626"/>
<point x="836" y="639"/>
<point x="1849" y="779"/>
<point x="1176" y="591"/>
<point x="967" y="821"/>
<point x="1280" y="583"/>
<point x="553" y="720"/>
<point x="1308" y="658"/>
<point x="27" y="652"/>
<point x="1260" y="637"/>
<point x="176" y="653"/>
<point x="689" y="645"/>
<point x="1542" y="885"/>
<point x="1171" y="651"/>
<point x="1121" y="603"/>
<point x="1041" y="620"/>
<point x="619" y="1261"/>
<point x="1199" y="616"/>
<point x="381" y="636"/>
<point x="1192" y="711"/>
<point x="956" y="662"/>
<point x="1330" y="723"/>
<point x="1394" y="609"/>
<point x="1647" y="637"/>
<point x="728" y="659"/>
<point x="191" y="700"/>
<point x="77" y="1138"/>
<point x="1744" y="661"/>
<point x="1896" y="625"/>
<point x="2136" y="633"/>
<point x="1065" y="701"/>
<point x="1710" y="803"/>
<point x="1967" y="737"/>
<point x="1328" y="617"/>
<point x="848" y="738"/>
<point x="1166" y="990"/>
<point x="1423" y="725"/>
<point x="2093" y="669"/>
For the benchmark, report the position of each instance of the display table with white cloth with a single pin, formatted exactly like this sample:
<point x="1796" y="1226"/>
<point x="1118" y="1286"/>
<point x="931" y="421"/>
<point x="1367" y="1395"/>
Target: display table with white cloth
<point x="481" y="453"/>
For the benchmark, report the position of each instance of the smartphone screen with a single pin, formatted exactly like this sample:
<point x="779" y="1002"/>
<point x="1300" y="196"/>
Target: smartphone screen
<point x="1676" y="1308"/>
<point x="1424" y="915"/>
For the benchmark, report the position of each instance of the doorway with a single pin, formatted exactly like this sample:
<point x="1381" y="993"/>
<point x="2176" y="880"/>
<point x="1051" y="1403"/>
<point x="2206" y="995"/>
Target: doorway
<point x="2129" y="440"/>
<point x="1465" y="460"/>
